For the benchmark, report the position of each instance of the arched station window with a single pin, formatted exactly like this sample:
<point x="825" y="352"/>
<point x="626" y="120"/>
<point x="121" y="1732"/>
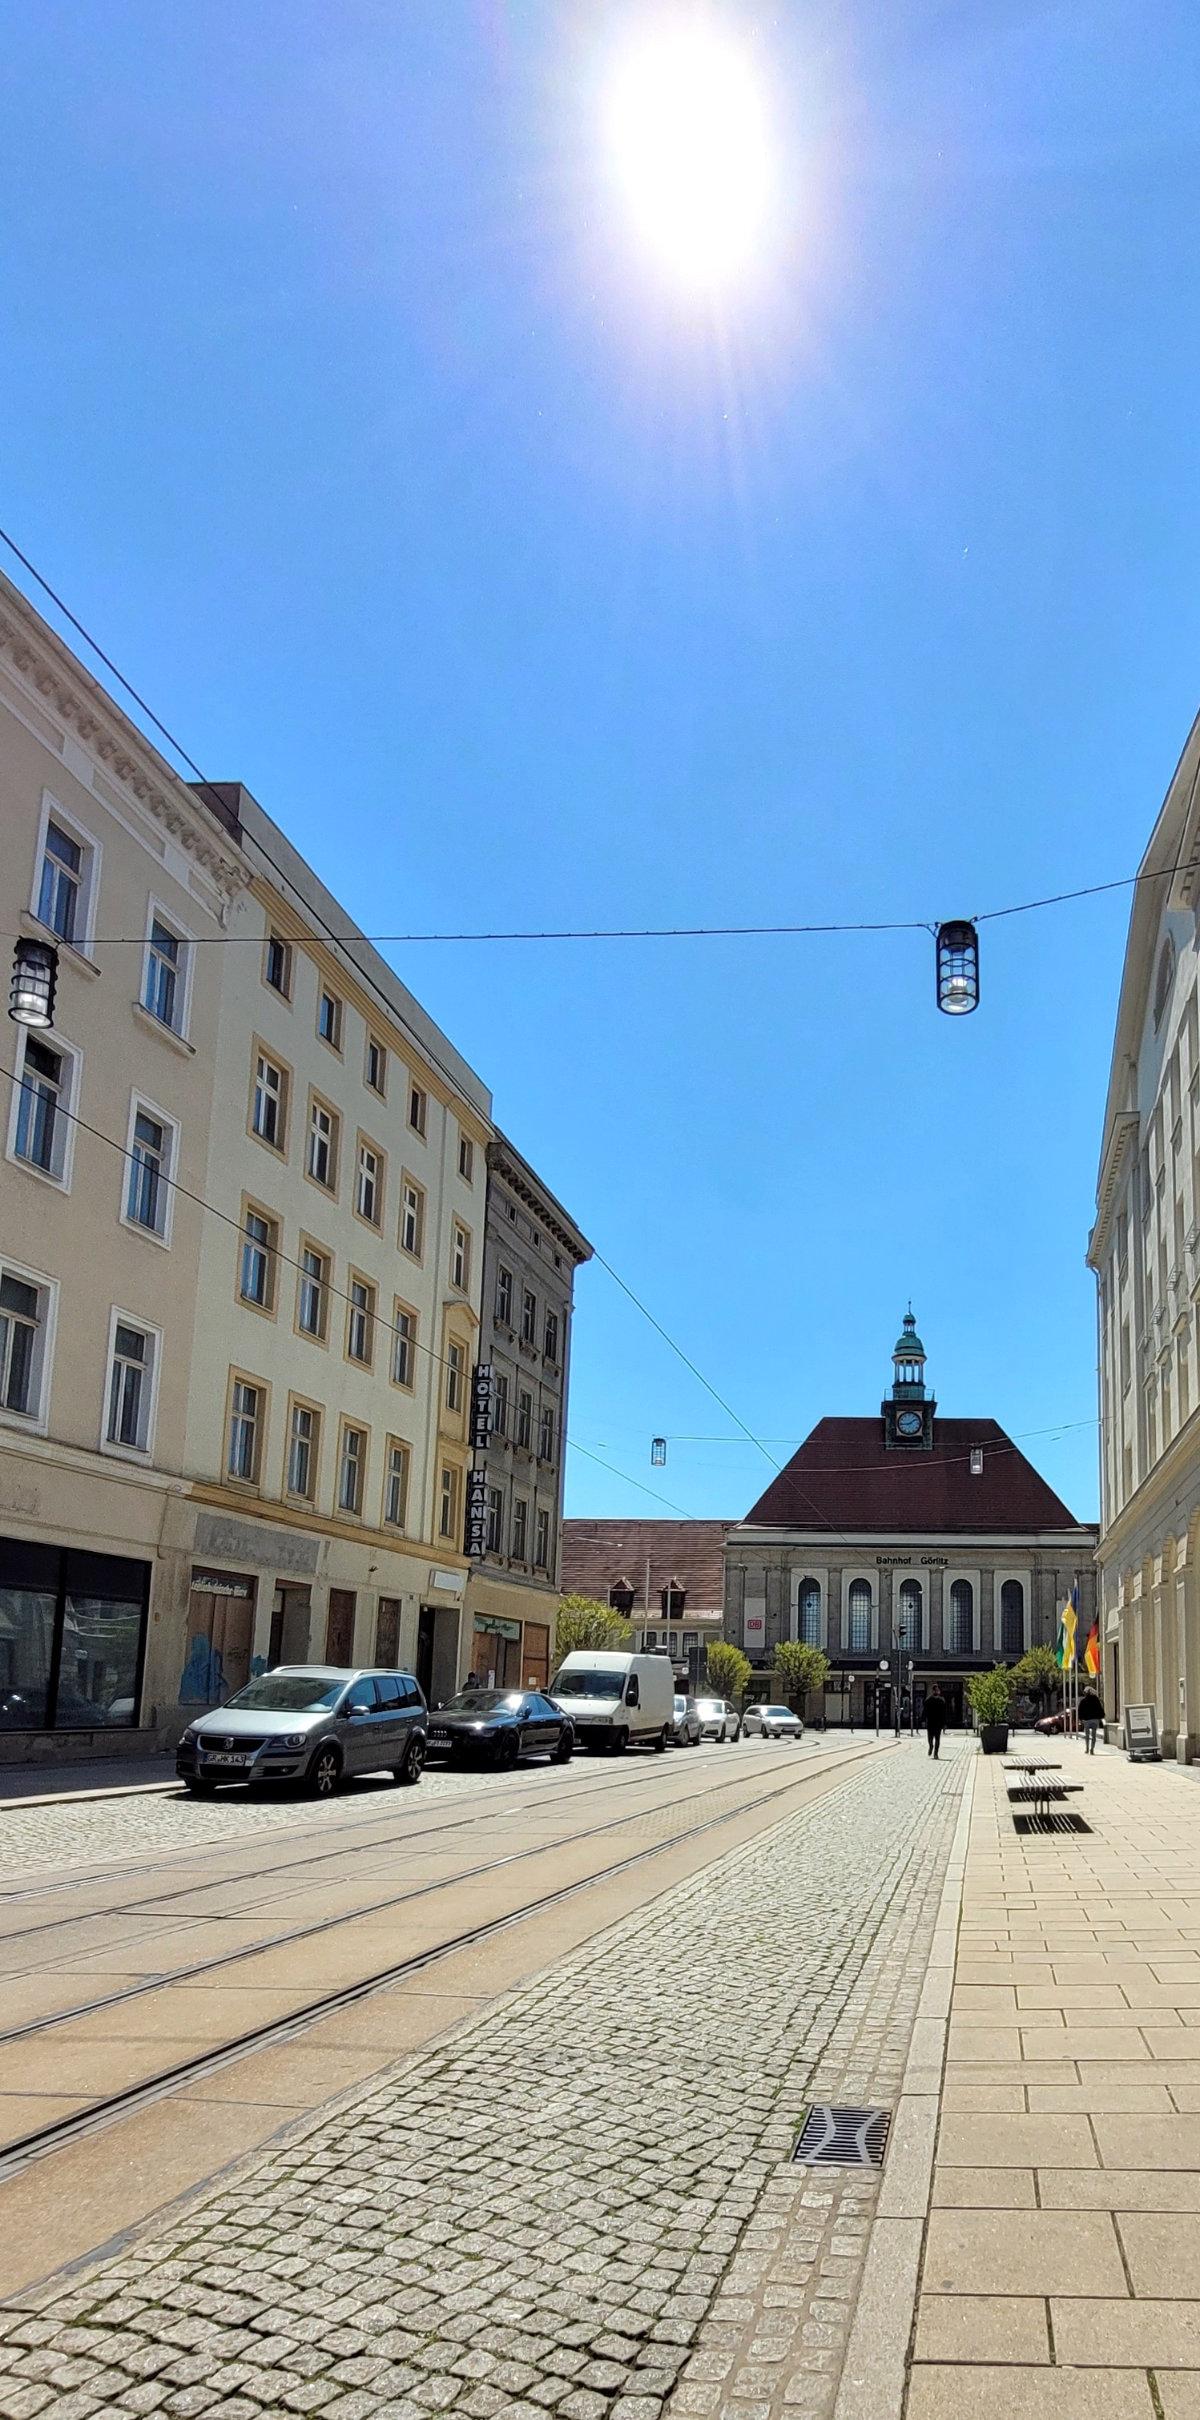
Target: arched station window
<point x="912" y="1615"/>
<point x="808" y="1613"/>
<point x="858" y="1629"/>
<point x="1012" y="1618"/>
<point x="962" y="1618"/>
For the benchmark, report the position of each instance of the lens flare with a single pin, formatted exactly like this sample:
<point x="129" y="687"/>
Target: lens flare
<point x="689" y="140"/>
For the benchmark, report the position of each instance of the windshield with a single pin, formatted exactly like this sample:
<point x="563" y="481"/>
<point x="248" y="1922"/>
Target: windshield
<point x="709" y="1705"/>
<point x="285" y="1693"/>
<point x="779" y="1713"/>
<point x="484" y="1701"/>
<point x="587" y="1684"/>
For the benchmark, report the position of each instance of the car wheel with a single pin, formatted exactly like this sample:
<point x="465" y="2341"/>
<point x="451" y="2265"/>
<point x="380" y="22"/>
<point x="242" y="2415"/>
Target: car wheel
<point x="663" y="1742"/>
<point x="507" y="1751"/>
<point x="199" y="1789"/>
<point x="325" y="1771"/>
<point x="620" y="1742"/>
<point x="566" y="1746"/>
<point x="412" y="1765"/>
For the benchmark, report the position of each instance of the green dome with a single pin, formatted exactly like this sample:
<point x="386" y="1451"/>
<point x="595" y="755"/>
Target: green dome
<point x="908" y="1346"/>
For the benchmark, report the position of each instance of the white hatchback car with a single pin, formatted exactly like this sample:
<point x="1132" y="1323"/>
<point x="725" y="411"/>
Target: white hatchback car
<point x="772" y="1722"/>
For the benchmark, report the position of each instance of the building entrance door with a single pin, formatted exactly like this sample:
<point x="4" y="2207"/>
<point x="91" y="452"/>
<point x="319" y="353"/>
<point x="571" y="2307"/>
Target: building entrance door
<point x="387" y="1633"/>
<point x="339" y="1628"/>
<point x="437" y="1652"/>
<point x="289" y="1626"/>
<point x="220" y="1632"/>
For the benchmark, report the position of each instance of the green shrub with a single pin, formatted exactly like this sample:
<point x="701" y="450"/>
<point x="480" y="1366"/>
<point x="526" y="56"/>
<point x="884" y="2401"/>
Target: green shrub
<point x="990" y="1695"/>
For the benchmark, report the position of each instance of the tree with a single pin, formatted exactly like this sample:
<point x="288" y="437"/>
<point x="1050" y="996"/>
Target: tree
<point x="990" y="1695"/>
<point x="1037" y="1675"/>
<point x="585" y="1622"/>
<point x="728" y="1670"/>
<point x="802" y="1669"/>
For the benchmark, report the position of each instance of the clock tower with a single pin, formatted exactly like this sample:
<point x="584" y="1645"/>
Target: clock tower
<point x="908" y="1411"/>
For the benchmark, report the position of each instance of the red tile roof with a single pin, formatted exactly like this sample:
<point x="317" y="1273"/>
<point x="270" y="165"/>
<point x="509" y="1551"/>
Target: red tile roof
<point x="596" y="1554"/>
<point x="845" y="1478"/>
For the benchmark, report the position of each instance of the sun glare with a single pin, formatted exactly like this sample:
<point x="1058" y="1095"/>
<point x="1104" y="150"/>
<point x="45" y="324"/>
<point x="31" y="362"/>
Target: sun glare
<point x="690" y="145"/>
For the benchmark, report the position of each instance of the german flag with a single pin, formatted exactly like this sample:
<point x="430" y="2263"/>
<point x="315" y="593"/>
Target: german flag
<point x="1091" y="1652"/>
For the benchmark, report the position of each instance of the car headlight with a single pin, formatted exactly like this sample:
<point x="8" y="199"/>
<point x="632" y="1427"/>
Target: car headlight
<point x="189" y="1738"/>
<point x="479" y="1726"/>
<point x="295" y="1739"/>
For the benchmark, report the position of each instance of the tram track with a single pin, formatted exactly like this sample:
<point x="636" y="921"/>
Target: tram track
<point x="108" y="2109"/>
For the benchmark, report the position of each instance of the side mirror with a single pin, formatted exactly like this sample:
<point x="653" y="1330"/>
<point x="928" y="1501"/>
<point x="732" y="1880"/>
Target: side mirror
<point x="356" y="1709"/>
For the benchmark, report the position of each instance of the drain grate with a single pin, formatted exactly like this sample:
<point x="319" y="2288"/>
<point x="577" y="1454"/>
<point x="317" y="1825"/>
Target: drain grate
<point x="843" y="2138"/>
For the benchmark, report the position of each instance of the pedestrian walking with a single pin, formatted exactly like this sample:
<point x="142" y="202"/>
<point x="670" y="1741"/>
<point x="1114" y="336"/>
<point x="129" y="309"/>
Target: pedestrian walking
<point x="1091" y="1715"/>
<point x="935" y="1719"/>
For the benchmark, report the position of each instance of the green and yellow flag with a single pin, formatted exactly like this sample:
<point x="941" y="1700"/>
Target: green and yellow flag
<point x="1064" y="1653"/>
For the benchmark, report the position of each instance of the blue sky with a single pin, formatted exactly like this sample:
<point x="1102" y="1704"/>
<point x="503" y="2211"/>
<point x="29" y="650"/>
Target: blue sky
<point x="340" y="400"/>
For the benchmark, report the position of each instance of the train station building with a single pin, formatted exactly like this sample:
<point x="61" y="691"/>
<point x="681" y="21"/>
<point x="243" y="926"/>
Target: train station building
<point x="905" y="1540"/>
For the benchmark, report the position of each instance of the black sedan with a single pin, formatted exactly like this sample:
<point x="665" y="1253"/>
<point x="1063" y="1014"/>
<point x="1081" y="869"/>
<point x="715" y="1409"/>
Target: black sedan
<point x="500" y="1725"/>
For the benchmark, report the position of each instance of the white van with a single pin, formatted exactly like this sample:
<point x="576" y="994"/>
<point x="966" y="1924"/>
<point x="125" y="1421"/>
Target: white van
<point x="615" y="1698"/>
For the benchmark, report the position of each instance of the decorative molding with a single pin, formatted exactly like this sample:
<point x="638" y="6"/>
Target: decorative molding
<point x="1120" y="1142"/>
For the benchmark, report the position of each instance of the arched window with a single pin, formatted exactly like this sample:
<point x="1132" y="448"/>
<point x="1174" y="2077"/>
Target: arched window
<point x="1012" y="1618"/>
<point x="962" y="1618"/>
<point x="808" y="1613"/>
<point x="1163" y="980"/>
<point x="858" y="1629"/>
<point x="911" y="1614"/>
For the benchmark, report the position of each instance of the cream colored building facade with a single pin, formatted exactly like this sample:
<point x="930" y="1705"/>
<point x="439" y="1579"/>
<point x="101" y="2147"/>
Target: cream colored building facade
<point x="99" y="1256"/>
<point x="1145" y="1251"/>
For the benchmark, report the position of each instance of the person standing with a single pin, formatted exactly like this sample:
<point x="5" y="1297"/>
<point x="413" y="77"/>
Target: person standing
<point x="935" y="1719"/>
<point x="1091" y="1715"/>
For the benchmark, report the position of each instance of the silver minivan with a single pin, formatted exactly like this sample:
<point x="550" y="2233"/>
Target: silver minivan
<point x="311" y="1723"/>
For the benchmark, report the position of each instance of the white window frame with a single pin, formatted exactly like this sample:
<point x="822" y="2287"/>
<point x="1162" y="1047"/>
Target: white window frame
<point x="372" y="1179"/>
<point x="396" y="1446"/>
<point x="35" y="1423"/>
<point x="466" y="1159"/>
<point x="352" y="1428"/>
<point x="307" y="1495"/>
<point x="367" y="1312"/>
<point x="54" y="812"/>
<point x="541" y="1529"/>
<point x="318" y="1107"/>
<point x="65" y="1117"/>
<point x="277" y="1141"/>
<point x="871" y="1583"/>
<point x="139" y="1103"/>
<point x="819" y="1575"/>
<point x="456" y="1375"/>
<point x="144" y="1327"/>
<point x="373" y="1043"/>
<point x="157" y="911"/>
<point x="406" y="1339"/>
<point x="270" y="1257"/>
<point x="448" y="1499"/>
<point x="460" y="1256"/>
<point x="415" y="1250"/>
<point x="972" y="1578"/>
<point x="495" y="1520"/>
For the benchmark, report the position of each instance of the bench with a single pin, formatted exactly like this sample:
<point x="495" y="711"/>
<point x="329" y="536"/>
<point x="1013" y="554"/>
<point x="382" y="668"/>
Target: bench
<point x="1036" y="1785"/>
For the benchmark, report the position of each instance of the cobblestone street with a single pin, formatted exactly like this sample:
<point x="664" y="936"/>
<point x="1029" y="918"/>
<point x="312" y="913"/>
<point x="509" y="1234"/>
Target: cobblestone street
<point x="580" y="2202"/>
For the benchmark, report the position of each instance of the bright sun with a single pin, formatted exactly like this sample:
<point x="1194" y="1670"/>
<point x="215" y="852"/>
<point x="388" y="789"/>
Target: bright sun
<point x="688" y="135"/>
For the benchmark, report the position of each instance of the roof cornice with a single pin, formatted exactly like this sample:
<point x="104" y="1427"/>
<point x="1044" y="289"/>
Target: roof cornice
<point x="505" y="1161"/>
<point x="1120" y="1144"/>
<point x="47" y="667"/>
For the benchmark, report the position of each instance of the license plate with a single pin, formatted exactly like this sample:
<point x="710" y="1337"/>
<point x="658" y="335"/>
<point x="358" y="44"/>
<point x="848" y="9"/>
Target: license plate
<point x="221" y="1757"/>
<point x="439" y="1739"/>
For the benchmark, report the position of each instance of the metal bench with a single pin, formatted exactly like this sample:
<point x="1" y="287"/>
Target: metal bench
<point x="1035" y="1785"/>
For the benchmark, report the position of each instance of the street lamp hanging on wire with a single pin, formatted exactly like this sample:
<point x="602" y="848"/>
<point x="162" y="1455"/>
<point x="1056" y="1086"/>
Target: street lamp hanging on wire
<point x="957" y="967"/>
<point x="34" y="982"/>
<point x="658" y="1453"/>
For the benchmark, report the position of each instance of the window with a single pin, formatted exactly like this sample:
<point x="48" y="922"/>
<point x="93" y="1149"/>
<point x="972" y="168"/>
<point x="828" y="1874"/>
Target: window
<point x="860" y="1608"/>
<point x="546" y="1435"/>
<point x="551" y="1342"/>
<point x="460" y="1257"/>
<point x="395" y="1490"/>
<point x="495" y="1520"/>
<point x="504" y="1297"/>
<point x="808" y="1613"/>
<point x="41" y="1130"/>
<point x="466" y="1157"/>
<point x="360" y="1324"/>
<point x="528" y="1317"/>
<point x="246" y="1407"/>
<point x="304" y="1432"/>
<point x="962" y="1617"/>
<point x="131" y="1367"/>
<point x="524" y="1418"/>
<point x="260" y="1245"/>
<point x="269" y="1102"/>
<point x="163" y="983"/>
<point x="500" y="1405"/>
<point x="455" y="1368"/>
<point x="418" y="1108"/>
<point x="541" y="1547"/>
<point x="912" y="1615"/>
<point x="412" y="1219"/>
<point x="376" y="1066"/>
<point x="277" y="965"/>
<point x="520" y="1528"/>
<point x="448" y="1504"/>
<point x="1012" y="1618"/>
<point x="353" y="1470"/>
<point x="329" y="1019"/>
<point x="313" y="1292"/>
<point x="1163" y="980"/>
<point x="368" y="1190"/>
<point x="24" y="1320"/>
<point x="151" y="1154"/>
<point x="404" y="1346"/>
<point x="63" y="882"/>
<point x="322" y="1144"/>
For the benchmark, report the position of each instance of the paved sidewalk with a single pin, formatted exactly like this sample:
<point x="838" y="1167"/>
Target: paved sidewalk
<point x="1061" y="2269"/>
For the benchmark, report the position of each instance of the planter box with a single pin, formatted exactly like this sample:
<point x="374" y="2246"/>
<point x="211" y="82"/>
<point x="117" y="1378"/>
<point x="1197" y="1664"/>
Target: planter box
<point x="993" y="1738"/>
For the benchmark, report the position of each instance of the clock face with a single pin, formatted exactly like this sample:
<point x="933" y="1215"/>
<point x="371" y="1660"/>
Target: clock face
<point x="909" y="1424"/>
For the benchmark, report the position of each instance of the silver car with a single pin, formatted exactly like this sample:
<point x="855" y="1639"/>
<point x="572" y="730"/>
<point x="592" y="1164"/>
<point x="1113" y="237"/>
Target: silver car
<point x="772" y="1722"/>
<point x="717" y="1719"/>
<point x="311" y="1723"/>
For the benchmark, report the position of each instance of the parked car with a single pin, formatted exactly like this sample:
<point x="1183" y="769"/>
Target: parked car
<point x="311" y="1723"/>
<point x="685" y="1723"/>
<point x="501" y="1725"/>
<point x="772" y="1722"/>
<point x="1052" y="1723"/>
<point x="718" y="1719"/>
<point x="613" y="1699"/>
